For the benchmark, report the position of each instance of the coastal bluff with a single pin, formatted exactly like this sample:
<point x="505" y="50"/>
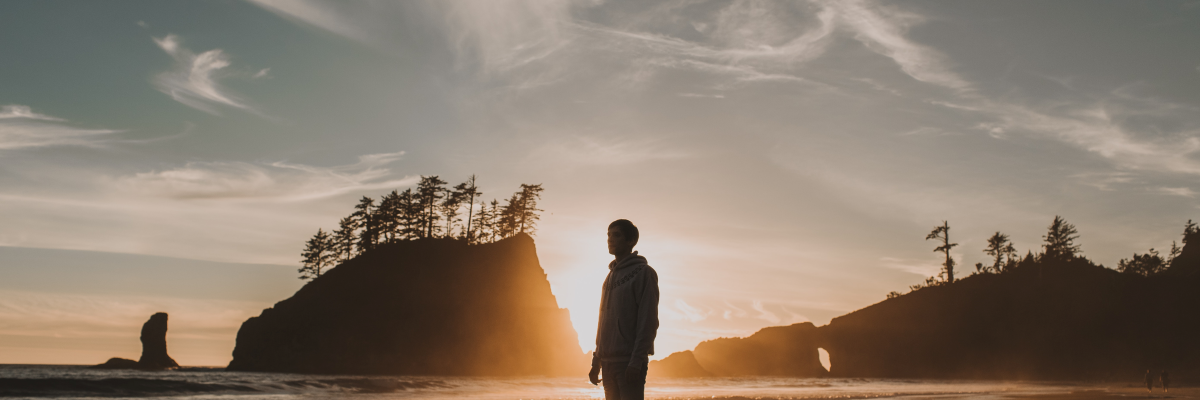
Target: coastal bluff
<point x="1043" y="320"/>
<point x="422" y="307"/>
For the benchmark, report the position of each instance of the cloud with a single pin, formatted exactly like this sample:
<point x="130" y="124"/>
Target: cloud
<point x="193" y="79"/>
<point x="882" y="30"/>
<point x="270" y="182"/>
<point x="262" y="73"/>
<point x="1098" y="128"/>
<point x="692" y="314"/>
<point x="702" y="96"/>
<point x="1178" y="191"/>
<point x="22" y="128"/>
<point x="924" y="268"/>
<point x="585" y="150"/>
<point x="763" y="314"/>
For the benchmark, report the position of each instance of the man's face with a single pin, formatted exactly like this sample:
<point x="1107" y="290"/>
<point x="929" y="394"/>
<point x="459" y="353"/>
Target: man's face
<point x="617" y="243"/>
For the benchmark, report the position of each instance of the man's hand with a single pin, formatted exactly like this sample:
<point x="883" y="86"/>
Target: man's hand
<point x="630" y="372"/>
<point x="594" y="375"/>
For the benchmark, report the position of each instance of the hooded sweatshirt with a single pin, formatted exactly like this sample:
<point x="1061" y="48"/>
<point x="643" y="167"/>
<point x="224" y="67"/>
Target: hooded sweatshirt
<point x="628" y="313"/>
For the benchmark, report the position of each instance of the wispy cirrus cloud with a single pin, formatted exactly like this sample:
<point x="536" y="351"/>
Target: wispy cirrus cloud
<point x="272" y="182"/>
<point x="193" y="80"/>
<point x="22" y="128"/>
<point x="588" y="150"/>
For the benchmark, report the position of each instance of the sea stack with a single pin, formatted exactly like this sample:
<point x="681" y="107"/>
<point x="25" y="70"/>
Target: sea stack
<point x="154" y="348"/>
<point x="154" y="344"/>
<point x="421" y="307"/>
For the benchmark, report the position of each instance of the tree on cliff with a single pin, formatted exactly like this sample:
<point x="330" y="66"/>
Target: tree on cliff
<point x="1060" y="241"/>
<point x="319" y="253"/>
<point x="470" y="191"/>
<point x="343" y="238"/>
<point x="1001" y="249"/>
<point x="429" y="190"/>
<point x="506" y="220"/>
<point x="365" y="218"/>
<point x="449" y="207"/>
<point x="942" y="233"/>
<point x="527" y="212"/>
<point x="389" y="214"/>
<point x="489" y="220"/>
<point x="1147" y="264"/>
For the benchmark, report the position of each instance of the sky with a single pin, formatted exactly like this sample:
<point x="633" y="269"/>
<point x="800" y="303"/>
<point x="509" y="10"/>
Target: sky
<point x="783" y="160"/>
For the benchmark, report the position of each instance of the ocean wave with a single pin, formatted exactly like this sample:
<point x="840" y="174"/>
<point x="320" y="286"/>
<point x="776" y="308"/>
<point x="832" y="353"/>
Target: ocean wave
<point x="139" y="387"/>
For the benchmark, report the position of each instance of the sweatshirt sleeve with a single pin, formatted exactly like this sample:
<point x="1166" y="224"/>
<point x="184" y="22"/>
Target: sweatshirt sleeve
<point x="647" y="321"/>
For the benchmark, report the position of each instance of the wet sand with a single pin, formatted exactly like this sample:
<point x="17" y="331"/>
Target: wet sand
<point x="1118" y="392"/>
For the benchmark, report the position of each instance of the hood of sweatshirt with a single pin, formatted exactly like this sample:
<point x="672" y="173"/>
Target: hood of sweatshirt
<point x="629" y="261"/>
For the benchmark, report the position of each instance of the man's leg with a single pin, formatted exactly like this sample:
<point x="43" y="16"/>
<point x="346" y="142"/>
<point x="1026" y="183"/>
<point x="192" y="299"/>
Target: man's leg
<point x="633" y="387"/>
<point x="612" y="381"/>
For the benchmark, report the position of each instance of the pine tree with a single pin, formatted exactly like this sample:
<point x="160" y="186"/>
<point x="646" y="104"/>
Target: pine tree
<point x="1060" y="240"/>
<point x="365" y="218"/>
<point x="527" y="213"/>
<point x="410" y="215"/>
<point x="507" y="223"/>
<point x="943" y="233"/>
<point x="389" y="217"/>
<point x="449" y="207"/>
<point x="318" y="254"/>
<point x="470" y="191"/>
<point x="343" y="238"/>
<point x="999" y="247"/>
<point x="429" y="191"/>
<point x="479" y="226"/>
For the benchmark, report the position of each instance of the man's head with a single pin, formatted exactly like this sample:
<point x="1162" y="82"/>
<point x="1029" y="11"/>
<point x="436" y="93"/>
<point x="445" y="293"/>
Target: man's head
<point x="622" y="236"/>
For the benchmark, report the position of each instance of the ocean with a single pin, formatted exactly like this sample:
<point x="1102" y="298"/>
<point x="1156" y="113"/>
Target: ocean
<point x="81" y="382"/>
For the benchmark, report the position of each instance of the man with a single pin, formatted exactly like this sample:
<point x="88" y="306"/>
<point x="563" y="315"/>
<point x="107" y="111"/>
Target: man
<point x="628" y="318"/>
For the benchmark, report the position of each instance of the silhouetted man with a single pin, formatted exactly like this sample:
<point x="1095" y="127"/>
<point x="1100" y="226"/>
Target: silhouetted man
<point x="628" y="318"/>
<point x="1149" y="382"/>
<point x="1166" y="380"/>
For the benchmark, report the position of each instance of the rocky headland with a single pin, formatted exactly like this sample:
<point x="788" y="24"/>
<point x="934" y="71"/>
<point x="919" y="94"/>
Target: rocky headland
<point x="421" y="307"/>
<point x="1044" y="319"/>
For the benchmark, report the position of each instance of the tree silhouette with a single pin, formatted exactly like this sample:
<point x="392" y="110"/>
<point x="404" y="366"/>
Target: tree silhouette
<point x="449" y="207"/>
<point x="493" y="224"/>
<point x="410" y="215"/>
<point x="942" y="233"/>
<point x="389" y="216"/>
<point x="429" y="191"/>
<point x="469" y="190"/>
<point x="365" y="218"/>
<point x="1147" y="264"/>
<point x="481" y="225"/>
<point x="999" y="247"/>
<point x="318" y="254"/>
<point x="343" y="238"/>
<point x="507" y="221"/>
<point x="1060" y="240"/>
<point x="527" y="212"/>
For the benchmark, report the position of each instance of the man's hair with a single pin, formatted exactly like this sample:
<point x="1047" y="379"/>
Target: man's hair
<point x="627" y="229"/>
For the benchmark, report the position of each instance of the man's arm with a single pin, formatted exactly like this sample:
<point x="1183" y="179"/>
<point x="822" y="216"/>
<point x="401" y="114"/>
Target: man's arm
<point x="647" y="321"/>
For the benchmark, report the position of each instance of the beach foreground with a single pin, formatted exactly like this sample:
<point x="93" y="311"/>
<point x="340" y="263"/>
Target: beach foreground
<point x="48" y="381"/>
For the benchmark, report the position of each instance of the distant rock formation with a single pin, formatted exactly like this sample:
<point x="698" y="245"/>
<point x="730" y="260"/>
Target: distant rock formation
<point x="773" y="351"/>
<point x="154" y="348"/>
<point x="1045" y="320"/>
<point x="677" y="365"/>
<point x="423" y="307"/>
<point x="154" y="344"/>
